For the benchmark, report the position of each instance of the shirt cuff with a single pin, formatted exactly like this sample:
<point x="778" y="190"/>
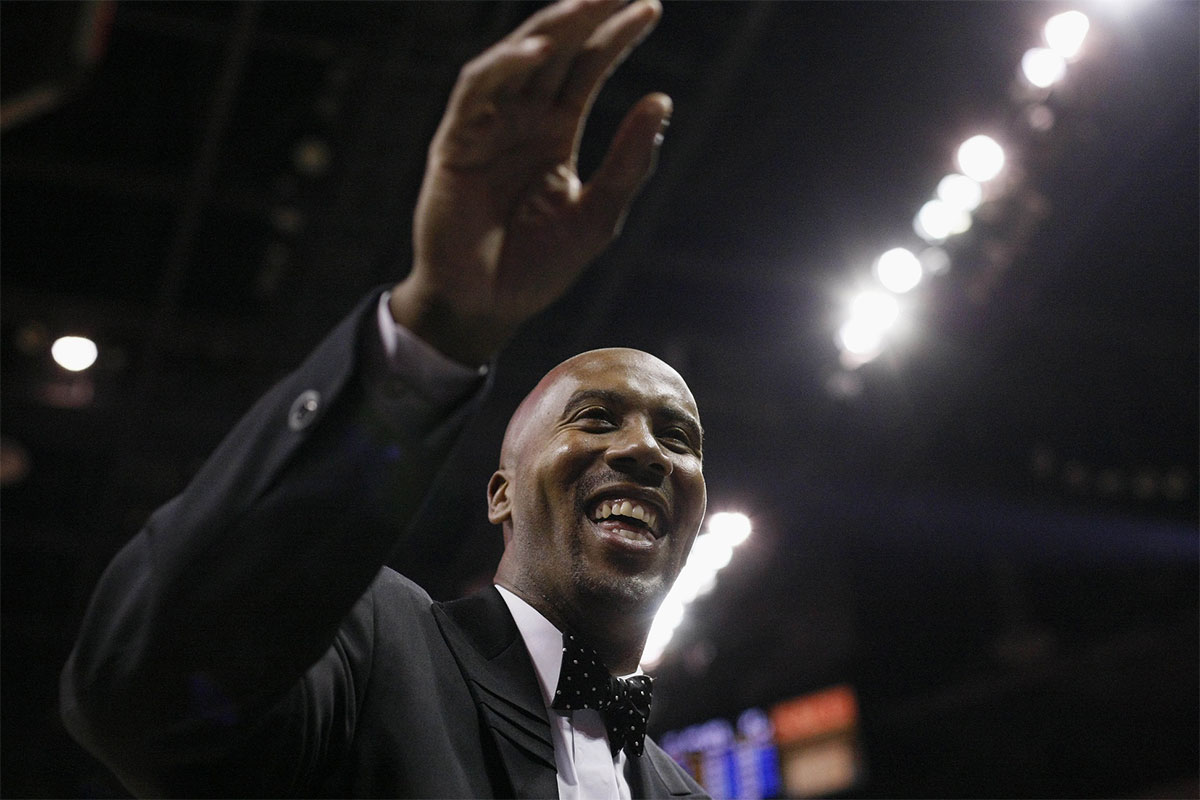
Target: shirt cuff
<point x="433" y="375"/>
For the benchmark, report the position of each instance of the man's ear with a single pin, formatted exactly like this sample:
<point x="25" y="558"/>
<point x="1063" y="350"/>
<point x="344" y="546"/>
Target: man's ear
<point x="499" y="505"/>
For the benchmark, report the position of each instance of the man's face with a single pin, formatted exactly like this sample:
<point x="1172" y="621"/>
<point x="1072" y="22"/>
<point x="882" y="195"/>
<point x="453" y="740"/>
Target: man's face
<point x="600" y="489"/>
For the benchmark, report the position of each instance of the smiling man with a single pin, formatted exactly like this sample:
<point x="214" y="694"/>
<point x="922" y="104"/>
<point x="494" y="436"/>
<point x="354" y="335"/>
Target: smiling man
<point x="250" y="642"/>
<point x="600" y="494"/>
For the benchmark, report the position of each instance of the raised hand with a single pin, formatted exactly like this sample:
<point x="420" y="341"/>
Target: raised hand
<point x="503" y="225"/>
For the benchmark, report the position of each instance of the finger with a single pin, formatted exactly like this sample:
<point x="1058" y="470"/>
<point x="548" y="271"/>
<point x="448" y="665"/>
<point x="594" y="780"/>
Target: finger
<point x="629" y="162"/>
<point x="501" y="69"/>
<point x="467" y="133"/>
<point x="554" y="17"/>
<point x="605" y="50"/>
<point x="568" y="26"/>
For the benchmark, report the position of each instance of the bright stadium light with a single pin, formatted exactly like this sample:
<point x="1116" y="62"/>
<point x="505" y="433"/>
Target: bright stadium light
<point x="959" y="191"/>
<point x="711" y="552"/>
<point x="877" y="308"/>
<point x="981" y="158"/>
<point x="729" y="526"/>
<point x="1065" y="33"/>
<point x="898" y="270"/>
<point x="74" y="353"/>
<point x="872" y="315"/>
<point x="938" y="220"/>
<point x="860" y="339"/>
<point x="1043" y="67"/>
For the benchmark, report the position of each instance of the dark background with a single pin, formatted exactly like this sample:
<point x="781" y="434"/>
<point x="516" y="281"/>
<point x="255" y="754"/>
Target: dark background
<point x="990" y="532"/>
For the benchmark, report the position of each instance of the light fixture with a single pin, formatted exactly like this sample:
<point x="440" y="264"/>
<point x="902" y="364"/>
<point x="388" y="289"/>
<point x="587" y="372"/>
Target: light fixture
<point x="1043" y="67"/>
<point x="959" y="191"/>
<point x="898" y="270"/>
<point x="938" y="220"/>
<point x="981" y="158"/>
<point x="711" y="552"/>
<point x="1064" y="33"/>
<point x="74" y="353"/>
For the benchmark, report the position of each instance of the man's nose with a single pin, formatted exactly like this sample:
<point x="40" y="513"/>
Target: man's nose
<point x="635" y="449"/>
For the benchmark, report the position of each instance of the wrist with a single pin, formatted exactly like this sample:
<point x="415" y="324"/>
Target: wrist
<point x="434" y="317"/>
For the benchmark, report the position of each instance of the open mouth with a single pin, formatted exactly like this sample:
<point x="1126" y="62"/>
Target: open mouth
<point x="630" y="519"/>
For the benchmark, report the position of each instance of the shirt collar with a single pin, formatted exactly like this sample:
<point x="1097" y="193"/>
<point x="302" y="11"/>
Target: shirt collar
<point x="543" y="641"/>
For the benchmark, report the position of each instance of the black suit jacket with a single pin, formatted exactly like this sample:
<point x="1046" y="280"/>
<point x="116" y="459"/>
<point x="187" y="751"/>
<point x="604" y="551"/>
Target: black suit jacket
<point x="247" y="641"/>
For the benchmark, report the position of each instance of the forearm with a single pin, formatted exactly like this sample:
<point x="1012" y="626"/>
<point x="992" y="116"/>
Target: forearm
<point x="238" y="585"/>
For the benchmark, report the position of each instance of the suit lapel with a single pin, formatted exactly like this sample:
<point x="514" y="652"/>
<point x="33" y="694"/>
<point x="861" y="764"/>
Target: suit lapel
<point x="489" y="650"/>
<point x="655" y="774"/>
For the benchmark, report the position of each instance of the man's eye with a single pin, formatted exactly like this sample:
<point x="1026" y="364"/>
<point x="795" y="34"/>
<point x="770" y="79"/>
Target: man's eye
<point x="595" y="414"/>
<point x="678" y="435"/>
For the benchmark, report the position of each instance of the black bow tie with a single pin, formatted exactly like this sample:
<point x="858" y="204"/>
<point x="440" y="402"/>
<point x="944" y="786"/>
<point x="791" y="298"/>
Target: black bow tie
<point x="584" y="682"/>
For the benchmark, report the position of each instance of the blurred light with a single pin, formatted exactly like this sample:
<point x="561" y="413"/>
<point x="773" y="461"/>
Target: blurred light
<point x="74" y="353"/>
<point x="32" y="339"/>
<point x="14" y="461"/>
<point x="959" y="191"/>
<point x="935" y="260"/>
<point x="1119" y="8"/>
<point x="692" y="583"/>
<point x="287" y="219"/>
<point x="1145" y="484"/>
<point x="860" y="343"/>
<point x="669" y="615"/>
<point x="311" y="157"/>
<point x="861" y="338"/>
<point x="1041" y="118"/>
<point x="981" y="158"/>
<point x="711" y="552"/>
<point x="1065" y="32"/>
<point x="844" y="384"/>
<point x="898" y="270"/>
<point x="878" y="308"/>
<point x="1176" y="483"/>
<point x="1043" y="67"/>
<point x="730" y="527"/>
<point x="938" y="220"/>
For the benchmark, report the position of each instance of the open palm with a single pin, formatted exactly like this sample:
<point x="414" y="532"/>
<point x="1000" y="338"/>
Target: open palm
<point x="503" y="225"/>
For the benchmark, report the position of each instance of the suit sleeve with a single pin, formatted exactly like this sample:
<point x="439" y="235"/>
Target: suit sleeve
<point x="207" y="621"/>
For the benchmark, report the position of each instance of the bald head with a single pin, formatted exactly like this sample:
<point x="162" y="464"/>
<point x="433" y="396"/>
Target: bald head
<point x="576" y="372"/>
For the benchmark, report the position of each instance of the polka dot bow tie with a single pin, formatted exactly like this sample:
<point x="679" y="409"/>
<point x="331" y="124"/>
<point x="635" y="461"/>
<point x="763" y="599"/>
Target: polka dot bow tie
<point x="584" y="682"/>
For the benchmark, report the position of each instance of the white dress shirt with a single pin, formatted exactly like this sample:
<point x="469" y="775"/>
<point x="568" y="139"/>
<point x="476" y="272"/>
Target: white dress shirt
<point x="586" y="767"/>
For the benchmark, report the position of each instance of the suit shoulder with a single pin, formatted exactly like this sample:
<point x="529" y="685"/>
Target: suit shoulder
<point x="394" y="587"/>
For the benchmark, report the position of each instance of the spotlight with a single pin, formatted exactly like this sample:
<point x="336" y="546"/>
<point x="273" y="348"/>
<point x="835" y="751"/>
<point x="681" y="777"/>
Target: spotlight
<point x="872" y="315"/>
<point x="938" y="220"/>
<point x="729" y="526"/>
<point x="959" y="191"/>
<point x="1065" y="32"/>
<point x="74" y="353"/>
<point x="1043" y="67"/>
<point x="898" y="270"/>
<point x="711" y="552"/>
<point x="981" y="158"/>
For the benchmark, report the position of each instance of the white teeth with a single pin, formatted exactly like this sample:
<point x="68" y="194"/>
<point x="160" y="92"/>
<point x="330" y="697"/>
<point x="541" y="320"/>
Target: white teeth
<point x="626" y="508"/>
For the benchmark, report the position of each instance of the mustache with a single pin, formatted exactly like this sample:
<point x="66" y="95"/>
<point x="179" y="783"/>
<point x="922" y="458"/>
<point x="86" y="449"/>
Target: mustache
<point x="592" y="483"/>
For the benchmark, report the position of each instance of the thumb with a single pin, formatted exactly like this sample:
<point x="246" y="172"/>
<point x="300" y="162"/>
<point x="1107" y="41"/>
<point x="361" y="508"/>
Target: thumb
<point x="630" y="161"/>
